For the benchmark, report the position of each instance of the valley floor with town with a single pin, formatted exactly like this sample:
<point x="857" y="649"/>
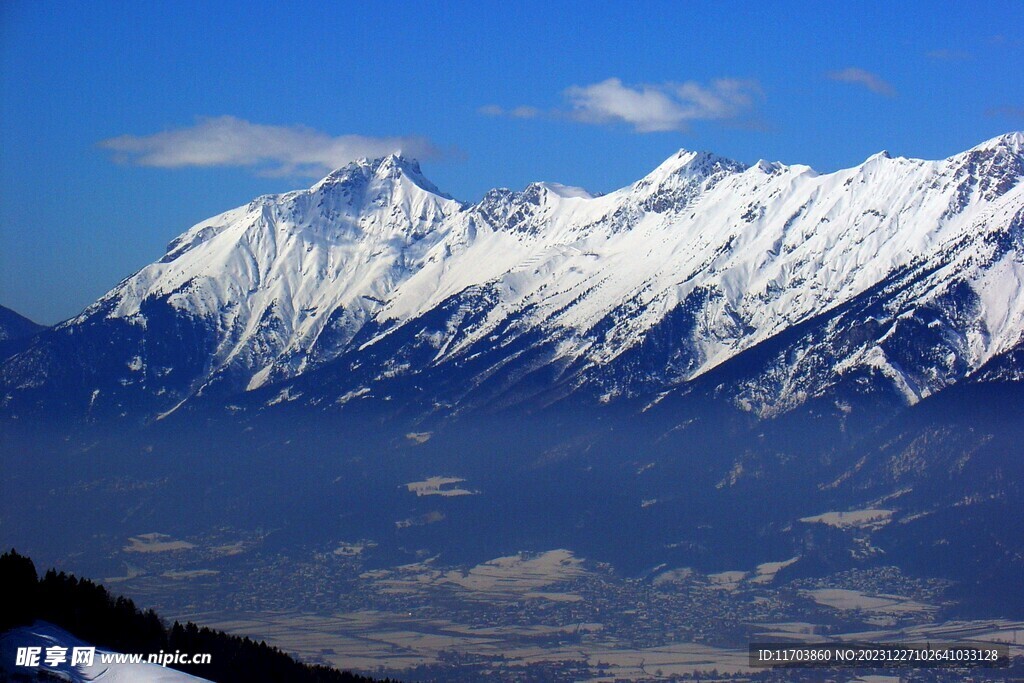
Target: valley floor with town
<point x="539" y="616"/>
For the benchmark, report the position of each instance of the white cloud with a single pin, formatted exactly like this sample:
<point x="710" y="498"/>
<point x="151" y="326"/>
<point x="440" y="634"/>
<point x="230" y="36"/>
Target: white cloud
<point x="867" y="79"/>
<point x="647" y="108"/>
<point x="661" y="107"/>
<point x="274" y="150"/>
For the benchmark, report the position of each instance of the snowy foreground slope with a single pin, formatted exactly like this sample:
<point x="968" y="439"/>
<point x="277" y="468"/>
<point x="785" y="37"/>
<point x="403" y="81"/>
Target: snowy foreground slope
<point x="44" y="635"/>
<point x="901" y="274"/>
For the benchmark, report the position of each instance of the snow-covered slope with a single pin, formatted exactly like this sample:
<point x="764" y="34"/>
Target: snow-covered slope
<point x="373" y="276"/>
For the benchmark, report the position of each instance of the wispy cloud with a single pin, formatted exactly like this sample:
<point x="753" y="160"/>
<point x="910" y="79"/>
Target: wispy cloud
<point x="1007" y="112"/>
<point x="492" y="110"/>
<point x="945" y="55"/>
<point x="1003" y="40"/>
<point x="272" y="150"/>
<point x="859" y="76"/>
<point x="647" y="108"/>
<point x="521" y="112"/>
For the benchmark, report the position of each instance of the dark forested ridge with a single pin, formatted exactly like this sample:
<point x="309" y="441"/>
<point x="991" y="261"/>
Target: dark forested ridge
<point x="88" y="611"/>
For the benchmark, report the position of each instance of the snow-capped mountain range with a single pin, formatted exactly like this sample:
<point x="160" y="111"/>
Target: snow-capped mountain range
<point x="900" y="275"/>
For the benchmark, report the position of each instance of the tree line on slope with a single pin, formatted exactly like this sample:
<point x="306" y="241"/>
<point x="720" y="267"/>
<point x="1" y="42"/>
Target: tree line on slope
<point x="89" y="612"/>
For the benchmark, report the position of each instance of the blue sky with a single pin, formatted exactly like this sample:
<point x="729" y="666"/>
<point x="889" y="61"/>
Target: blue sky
<point x="122" y="124"/>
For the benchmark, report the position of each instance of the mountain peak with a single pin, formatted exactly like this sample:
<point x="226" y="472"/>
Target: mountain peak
<point x="393" y="164"/>
<point x="389" y="168"/>
<point x="390" y="164"/>
<point x="701" y="164"/>
<point x="1012" y="142"/>
<point x="687" y="169"/>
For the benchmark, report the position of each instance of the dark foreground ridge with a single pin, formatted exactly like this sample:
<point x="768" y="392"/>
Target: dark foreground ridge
<point x="87" y="610"/>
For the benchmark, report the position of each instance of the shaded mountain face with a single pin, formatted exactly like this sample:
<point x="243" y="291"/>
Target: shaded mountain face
<point x="16" y="326"/>
<point x="16" y="332"/>
<point x="902" y="276"/>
